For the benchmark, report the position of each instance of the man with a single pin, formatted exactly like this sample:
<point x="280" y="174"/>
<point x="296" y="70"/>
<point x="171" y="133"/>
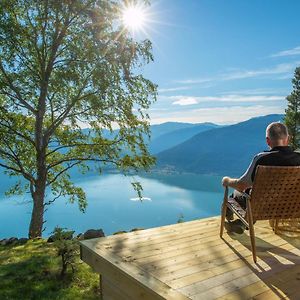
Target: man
<point x="280" y="154"/>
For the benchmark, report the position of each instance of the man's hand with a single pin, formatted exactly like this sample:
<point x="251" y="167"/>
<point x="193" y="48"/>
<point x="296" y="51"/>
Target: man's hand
<point x="225" y="181"/>
<point x="234" y="183"/>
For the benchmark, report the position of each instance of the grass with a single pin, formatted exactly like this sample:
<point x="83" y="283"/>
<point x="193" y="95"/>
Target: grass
<point x="31" y="271"/>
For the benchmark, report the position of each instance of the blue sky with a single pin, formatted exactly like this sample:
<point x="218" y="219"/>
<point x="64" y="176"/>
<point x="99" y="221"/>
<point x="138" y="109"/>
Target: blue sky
<point x="222" y="61"/>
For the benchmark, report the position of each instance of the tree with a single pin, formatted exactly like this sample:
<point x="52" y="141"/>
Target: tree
<point x="65" y="65"/>
<point x="292" y="113"/>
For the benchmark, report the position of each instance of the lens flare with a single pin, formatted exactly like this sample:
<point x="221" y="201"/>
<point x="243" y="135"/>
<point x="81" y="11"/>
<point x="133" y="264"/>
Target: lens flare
<point x="134" y="18"/>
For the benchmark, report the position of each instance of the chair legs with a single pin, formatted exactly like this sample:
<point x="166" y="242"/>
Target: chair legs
<point x="250" y="222"/>
<point x="223" y="214"/>
<point x="276" y="226"/>
<point x="251" y="230"/>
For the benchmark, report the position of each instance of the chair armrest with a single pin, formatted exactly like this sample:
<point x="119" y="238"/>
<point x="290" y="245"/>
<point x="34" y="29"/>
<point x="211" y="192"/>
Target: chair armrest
<point x="226" y="190"/>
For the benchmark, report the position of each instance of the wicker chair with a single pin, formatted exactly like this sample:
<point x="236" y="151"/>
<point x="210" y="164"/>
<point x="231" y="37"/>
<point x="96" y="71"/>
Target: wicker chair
<point x="275" y="195"/>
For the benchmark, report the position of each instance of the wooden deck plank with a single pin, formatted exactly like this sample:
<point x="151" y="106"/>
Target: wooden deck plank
<point x="216" y="247"/>
<point x="201" y="275"/>
<point x="249" y="291"/>
<point x="172" y="241"/>
<point x="117" y="245"/>
<point x="193" y="266"/>
<point x="128" y="276"/>
<point x="112" y="291"/>
<point x="235" y="283"/>
<point x="158" y="245"/>
<point x="202" y="262"/>
<point x="210" y="257"/>
<point x="229" y="278"/>
<point x="190" y="261"/>
<point x="223" y="288"/>
<point x="140" y="235"/>
<point x="269" y="295"/>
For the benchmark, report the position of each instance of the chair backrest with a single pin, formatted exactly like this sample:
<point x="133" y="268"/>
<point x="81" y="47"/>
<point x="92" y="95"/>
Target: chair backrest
<point x="276" y="193"/>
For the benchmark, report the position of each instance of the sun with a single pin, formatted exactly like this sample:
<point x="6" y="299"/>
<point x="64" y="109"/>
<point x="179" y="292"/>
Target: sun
<point x="134" y="17"/>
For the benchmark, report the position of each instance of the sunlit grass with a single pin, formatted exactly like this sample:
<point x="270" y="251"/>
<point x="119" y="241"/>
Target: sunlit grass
<point x="31" y="271"/>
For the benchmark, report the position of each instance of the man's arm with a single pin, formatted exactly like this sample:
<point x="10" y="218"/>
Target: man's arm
<point x="246" y="180"/>
<point x="235" y="183"/>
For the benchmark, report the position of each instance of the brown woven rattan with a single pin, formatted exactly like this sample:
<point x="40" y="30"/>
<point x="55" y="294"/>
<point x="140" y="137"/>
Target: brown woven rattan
<point x="275" y="195"/>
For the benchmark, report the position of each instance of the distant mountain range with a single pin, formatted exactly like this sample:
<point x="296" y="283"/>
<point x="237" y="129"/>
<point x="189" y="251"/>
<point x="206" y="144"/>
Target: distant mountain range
<point x="203" y="148"/>
<point x="223" y="151"/>
<point x="167" y="127"/>
<point x="168" y="135"/>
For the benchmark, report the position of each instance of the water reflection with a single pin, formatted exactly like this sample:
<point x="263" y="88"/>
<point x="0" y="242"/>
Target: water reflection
<point x="187" y="197"/>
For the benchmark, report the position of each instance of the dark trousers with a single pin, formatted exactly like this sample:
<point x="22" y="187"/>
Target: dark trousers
<point x="240" y="199"/>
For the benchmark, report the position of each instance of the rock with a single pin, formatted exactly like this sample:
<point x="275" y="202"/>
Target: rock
<point x="136" y="229"/>
<point x="13" y="241"/>
<point x="80" y="236"/>
<point x="10" y="241"/>
<point x="66" y="235"/>
<point x="22" y="241"/>
<point x="93" y="233"/>
<point x="51" y="239"/>
<point x="120" y="232"/>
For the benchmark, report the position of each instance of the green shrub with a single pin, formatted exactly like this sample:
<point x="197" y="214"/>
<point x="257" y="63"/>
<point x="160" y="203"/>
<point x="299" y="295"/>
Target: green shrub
<point x="67" y="248"/>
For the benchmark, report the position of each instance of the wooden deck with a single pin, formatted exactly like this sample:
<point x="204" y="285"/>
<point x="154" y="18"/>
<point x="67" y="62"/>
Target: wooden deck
<point x="190" y="261"/>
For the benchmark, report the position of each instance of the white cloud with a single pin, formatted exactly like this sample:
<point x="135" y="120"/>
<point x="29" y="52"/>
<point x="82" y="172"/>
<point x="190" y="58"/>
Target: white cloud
<point x="286" y="68"/>
<point x="186" y="101"/>
<point x="185" y="87"/>
<point x="190" y="100"/>
<point x="285" y="76"/>
<point x="197" y="80"/>
<point x="279" y="69"/>
<point x="174" y="89"/>
<point x="219" y="115"/>
<point x="289" y="52"/>
<point x="259" y="91"/>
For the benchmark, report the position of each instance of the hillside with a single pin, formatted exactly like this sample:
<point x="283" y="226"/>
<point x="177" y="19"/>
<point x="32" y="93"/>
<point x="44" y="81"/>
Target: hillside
<point x="224" y="151"/>
<point x="175" y="137"/>
<point x="167" y="127"/>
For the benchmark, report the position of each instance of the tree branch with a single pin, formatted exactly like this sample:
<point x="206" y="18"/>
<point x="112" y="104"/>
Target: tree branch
<point x="55" y="198"/>
<point x="83" y="145"/>
<point x="12" y="130"/>
<point x="11" y="85"/>
<point x="63" y="171"/>
<point x="80" y="159"/>
<point x="59" y="120"/>
<point x="14" y="158"/>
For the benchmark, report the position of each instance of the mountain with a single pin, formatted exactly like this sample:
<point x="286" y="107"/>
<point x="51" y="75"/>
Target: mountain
<point x="175" y="137"/>
<point x="164" y="128"/>
<point x="224" y="151"/>
<point x="156" y="130"/>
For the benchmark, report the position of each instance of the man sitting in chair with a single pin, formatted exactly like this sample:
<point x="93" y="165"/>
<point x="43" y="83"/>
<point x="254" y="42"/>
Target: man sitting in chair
<point x="280" y="154"/>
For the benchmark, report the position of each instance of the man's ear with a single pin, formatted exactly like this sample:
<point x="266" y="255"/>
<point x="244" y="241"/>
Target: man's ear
<point x="287" y="141"/>
<point x="268" y="141"/>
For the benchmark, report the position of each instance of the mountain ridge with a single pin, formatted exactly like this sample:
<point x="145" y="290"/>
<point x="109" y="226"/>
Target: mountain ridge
<point x="225" y="150"/>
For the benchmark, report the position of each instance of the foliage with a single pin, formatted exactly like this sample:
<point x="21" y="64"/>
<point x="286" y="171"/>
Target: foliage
<point x="67" y="249"/>
<point x="65" y="65"/>
<point x="30" y="272"/>
<point x="292" y="113"/>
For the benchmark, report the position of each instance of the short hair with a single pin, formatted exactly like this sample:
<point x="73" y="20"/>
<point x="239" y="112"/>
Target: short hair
<point x="277" y="131"/>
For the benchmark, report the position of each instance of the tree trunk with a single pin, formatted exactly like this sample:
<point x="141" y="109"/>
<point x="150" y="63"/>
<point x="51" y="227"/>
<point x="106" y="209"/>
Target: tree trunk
<point x="64" y="266"/>
<point x="37" y="216"/>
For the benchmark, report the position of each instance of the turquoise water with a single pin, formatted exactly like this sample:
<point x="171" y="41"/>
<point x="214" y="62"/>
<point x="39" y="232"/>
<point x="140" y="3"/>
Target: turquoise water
<point x="112" y="205"/>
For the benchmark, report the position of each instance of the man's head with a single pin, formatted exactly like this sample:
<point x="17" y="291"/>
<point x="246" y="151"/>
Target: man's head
<point x="277" y="135"/>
